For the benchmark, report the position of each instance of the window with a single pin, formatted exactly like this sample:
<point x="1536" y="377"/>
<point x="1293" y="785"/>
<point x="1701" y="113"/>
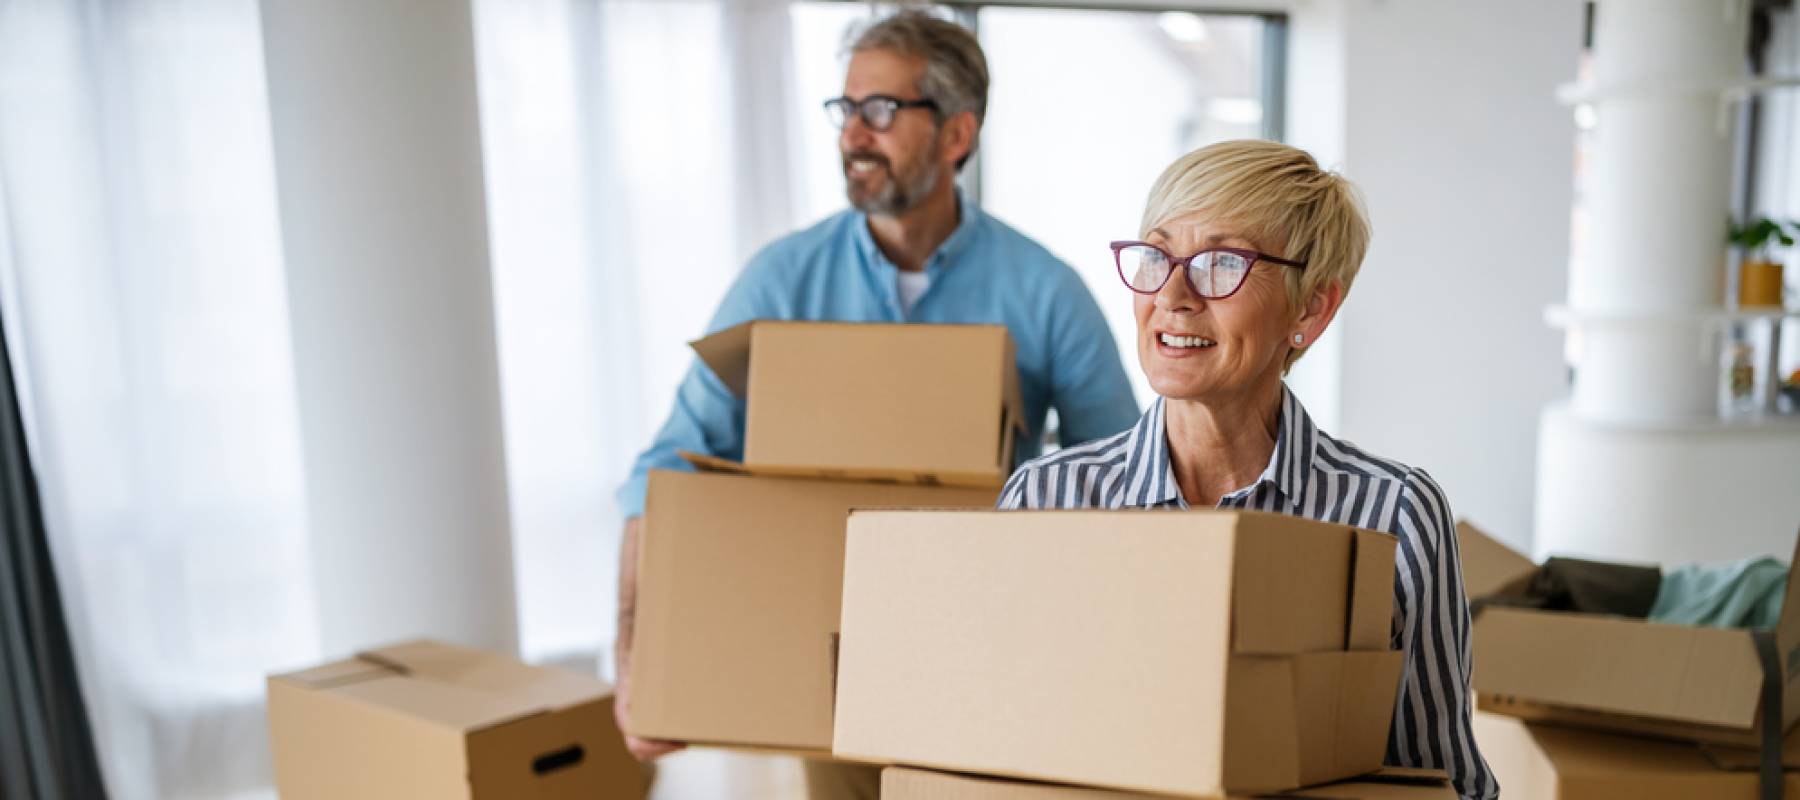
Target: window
<point x="595" y="165"/>
<point x="1086" y="107"/>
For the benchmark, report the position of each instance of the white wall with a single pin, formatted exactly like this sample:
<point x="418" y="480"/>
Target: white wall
<point x="384" y="226"/>
<point x="1778" y="167"/>
<point x="1450" y="127"/>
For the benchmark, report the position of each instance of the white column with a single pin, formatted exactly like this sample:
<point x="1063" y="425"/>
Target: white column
<point x="1637" y="464"/>
<point x="378" y="162"/>
<point x="1656" y="204"/>
<point x="1465" y="169"/>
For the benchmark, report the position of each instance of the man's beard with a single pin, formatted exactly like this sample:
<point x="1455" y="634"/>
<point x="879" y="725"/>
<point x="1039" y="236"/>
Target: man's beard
<point x="896" y="195"/>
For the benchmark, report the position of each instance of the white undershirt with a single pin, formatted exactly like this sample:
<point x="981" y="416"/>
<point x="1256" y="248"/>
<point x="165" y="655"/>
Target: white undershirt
<point x="912" y="287"/>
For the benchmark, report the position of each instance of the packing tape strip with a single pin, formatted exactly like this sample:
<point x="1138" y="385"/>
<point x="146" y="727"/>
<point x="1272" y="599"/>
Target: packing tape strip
<point x="1771" y="779"/>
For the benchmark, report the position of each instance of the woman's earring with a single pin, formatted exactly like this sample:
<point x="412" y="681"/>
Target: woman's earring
<point x="1299" y="339"/>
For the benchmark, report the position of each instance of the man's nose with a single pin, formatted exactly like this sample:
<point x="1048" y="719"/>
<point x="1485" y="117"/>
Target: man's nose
<point x="856" y="134"/>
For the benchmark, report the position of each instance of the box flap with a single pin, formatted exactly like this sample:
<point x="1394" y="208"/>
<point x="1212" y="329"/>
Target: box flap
<point x="1533" y="760"/>
<point x="1488" y="564"/>
<point x="727" y="354"/>
<point x="1361" y="688"/>
<point x="905" y="783"/>
<point x="506" y="679"/>
<point x="1013" y="398"/>
<point x="1263" y="737"/>
<point x="1787" y="637"/>
<point x="450" y="686"/>
<point x="739" y="582"/>
<point x="987" y="479"/>
<point x="336" y="673"/>
<point x="918" y="399"/>
<point x="1335" y="710"/>
<point x="1708" y="676"/>
<point x="1291" y="584"/>
<point x="1079" y="646"/>
<point x="1523" y="768"/>
<point x="706" y="463"/>
<point x="330" y="743"/>
<point x="1372" y="591"/>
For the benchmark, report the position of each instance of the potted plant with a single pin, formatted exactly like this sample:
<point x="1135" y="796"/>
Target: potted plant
<point x="1759" y="277"/>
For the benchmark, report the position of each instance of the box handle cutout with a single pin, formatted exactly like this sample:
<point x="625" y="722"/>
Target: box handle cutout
<point x="559" y="759"/>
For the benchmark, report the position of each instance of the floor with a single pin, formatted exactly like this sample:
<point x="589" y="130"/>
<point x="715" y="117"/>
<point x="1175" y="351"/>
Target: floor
<point x="727" y="775"/>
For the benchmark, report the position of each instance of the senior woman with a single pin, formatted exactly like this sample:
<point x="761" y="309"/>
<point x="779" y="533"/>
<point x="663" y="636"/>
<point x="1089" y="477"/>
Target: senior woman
<point x="1246" y="252"/>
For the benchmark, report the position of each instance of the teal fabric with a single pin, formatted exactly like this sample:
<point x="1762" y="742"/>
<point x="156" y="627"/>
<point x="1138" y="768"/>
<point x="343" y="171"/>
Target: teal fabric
<point x="1740" y="594"/>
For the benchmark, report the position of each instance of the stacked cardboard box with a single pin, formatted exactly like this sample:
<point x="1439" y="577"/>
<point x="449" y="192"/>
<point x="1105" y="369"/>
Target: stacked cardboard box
<point x="901" y="783"/>
<point x="1099" y="655"/>
<point x="427" y="719"/>
<point x="1689" y="699"/>
<point x="1560" y="762"/>
<point x="1199" y="653"/>
<point x="741" y="564"/>
<point x="1190" y="653"/>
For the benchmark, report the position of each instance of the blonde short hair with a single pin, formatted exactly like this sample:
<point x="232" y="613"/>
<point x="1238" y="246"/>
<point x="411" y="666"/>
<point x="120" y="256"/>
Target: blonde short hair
<point x="1281" y="199"/>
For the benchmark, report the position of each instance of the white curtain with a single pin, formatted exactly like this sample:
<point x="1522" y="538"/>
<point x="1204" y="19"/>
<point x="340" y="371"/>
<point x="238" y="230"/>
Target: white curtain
<point x="142" y="277"/>
<point x="636" y="152"/>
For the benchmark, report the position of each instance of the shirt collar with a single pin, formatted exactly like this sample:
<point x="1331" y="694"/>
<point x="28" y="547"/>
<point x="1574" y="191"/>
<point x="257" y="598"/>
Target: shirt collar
<point x="1151" y="483"/>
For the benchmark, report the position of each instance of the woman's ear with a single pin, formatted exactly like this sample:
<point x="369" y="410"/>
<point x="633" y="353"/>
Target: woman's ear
<point x="1320" y="309"/>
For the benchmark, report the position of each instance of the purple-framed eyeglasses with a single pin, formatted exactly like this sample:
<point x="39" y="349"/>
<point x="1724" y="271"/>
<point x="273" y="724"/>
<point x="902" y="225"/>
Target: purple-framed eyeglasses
<point x="1214" y="273"/>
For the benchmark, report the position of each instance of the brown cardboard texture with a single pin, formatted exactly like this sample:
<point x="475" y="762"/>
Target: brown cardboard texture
<point x="739" y="581"/>
<point x="1551" y="762"/>
<point x="1172" y="652"/>
<point x="427" y="719"/>
<point x="1488" y="565"/>
<point x="930" y="404"/>
<point x="1636" y="676"/>
<point x="902" y="783"/>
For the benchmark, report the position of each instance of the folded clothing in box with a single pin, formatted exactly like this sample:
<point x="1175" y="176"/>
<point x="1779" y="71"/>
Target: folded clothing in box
<point x="1633" y="675"/>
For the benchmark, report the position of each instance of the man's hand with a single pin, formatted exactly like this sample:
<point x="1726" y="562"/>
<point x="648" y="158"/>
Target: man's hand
<point x="641" y="749"/>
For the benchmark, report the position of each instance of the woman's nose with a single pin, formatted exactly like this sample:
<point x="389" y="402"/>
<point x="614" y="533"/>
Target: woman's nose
<point x="1176" y="296"/>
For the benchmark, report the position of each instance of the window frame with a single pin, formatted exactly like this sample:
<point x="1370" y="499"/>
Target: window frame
<point x="1273" y="69"/>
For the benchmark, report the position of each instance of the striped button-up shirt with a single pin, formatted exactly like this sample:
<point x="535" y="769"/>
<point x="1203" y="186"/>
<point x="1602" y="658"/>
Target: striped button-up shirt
<point x="1316" y="476"/>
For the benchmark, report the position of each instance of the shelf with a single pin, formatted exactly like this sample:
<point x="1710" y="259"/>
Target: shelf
<point x="1766" y="423"/>
<point x="1562" y="316"/>
<point x="1578" y="92"/>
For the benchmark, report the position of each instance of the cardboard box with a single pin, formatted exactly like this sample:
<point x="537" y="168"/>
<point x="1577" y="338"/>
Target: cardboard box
<point x="1176" y="652"/>
<point x="928" y="404"/>
<point x="1630" y="675"/>
<point x="901" y="783"/>
<point x="1550" y="762"/>
<point x="426" y="719"/>
<point x="739" y="582"/>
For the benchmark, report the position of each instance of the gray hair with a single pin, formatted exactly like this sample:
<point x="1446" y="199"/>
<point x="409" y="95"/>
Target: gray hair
<point x="956" y="72"/>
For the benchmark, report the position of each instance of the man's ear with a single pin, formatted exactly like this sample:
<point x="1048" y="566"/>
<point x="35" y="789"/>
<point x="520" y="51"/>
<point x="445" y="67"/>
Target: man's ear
<point x="958" y="135"/>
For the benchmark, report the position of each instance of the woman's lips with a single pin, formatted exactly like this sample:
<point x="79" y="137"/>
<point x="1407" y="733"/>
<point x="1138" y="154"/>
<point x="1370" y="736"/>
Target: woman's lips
<point x="1180" y="345"/>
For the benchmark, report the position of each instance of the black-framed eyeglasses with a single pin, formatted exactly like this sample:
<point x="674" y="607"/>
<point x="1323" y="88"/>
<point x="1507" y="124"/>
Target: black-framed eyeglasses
<point x="1215" y="273"/>
<point x="877" y="110"/>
